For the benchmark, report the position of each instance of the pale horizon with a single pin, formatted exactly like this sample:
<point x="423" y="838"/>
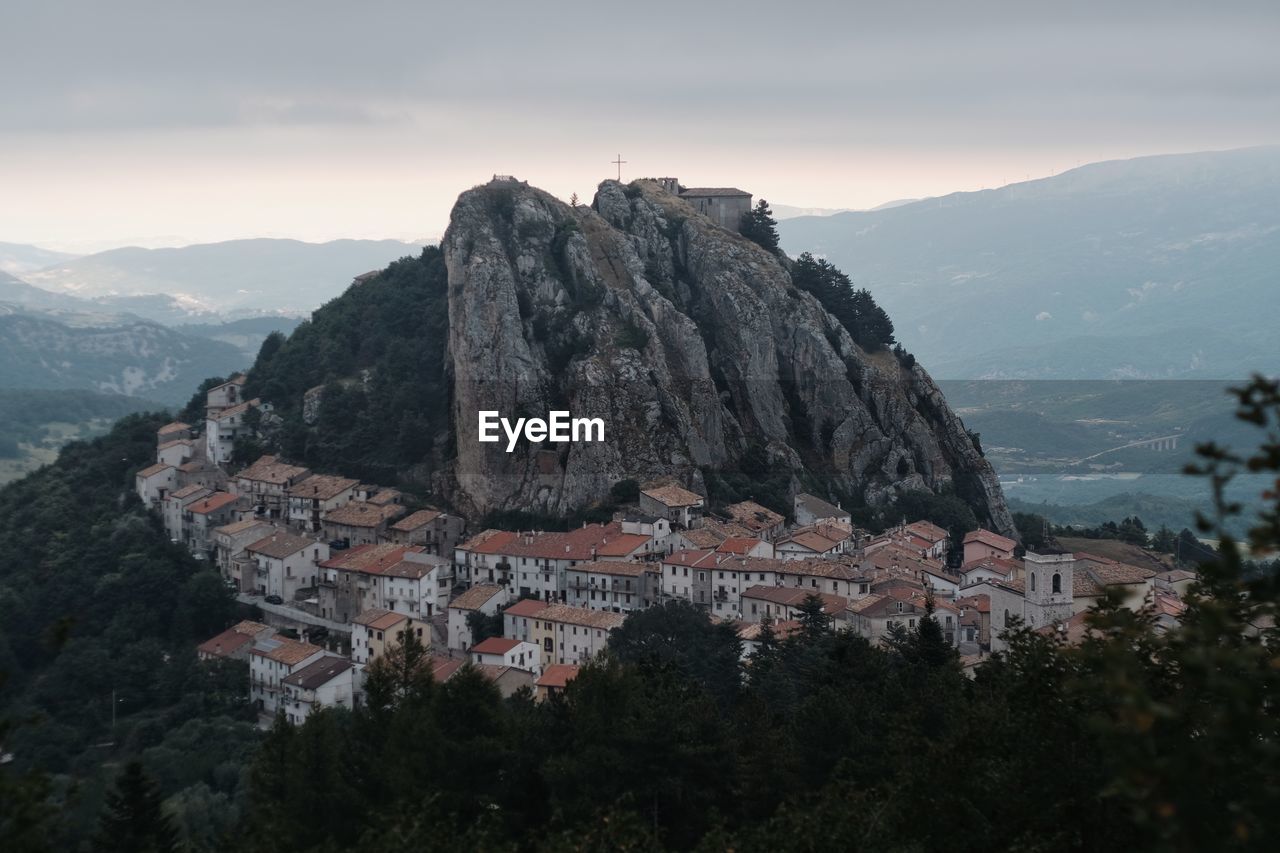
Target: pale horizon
<point x="146" y="124"/>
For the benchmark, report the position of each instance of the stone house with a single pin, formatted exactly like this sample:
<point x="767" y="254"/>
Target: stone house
<point x="284" y="563"/>
<point x="265" y="484"/>
<point x="377" y="630"/>
<point x="503" y="651"/>
<point x="271" y="661"/>
<point x="324" y="683"/>
<point x="483" y="598"/>
<point x="572" y="634"/>
<point x="311" y="498"/>
<point x="437" y="531"/>
<point x="617" y="585"/>
<point x="674" y="503"/>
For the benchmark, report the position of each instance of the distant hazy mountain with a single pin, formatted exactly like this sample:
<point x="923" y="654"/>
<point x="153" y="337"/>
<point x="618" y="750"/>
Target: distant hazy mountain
<point x="786" y="211"/>
<point x="231" y="278"/>
<point x="18" y="258"/>
<point x="1155" y="267"/>
<point x="106" y="353"/>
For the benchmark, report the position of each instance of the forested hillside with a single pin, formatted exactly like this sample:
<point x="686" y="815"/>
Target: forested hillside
<point x="378" y="351"/>
<point x="96" y="604"/>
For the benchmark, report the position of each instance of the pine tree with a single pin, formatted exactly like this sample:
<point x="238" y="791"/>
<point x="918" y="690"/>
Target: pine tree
<point x="760" y="227"/>
<point x="133" y="820"/>
<point x="814" y="622"/>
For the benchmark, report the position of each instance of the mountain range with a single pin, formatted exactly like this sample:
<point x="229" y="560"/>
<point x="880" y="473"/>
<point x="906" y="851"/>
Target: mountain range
<point x="212" y="281"/>
<point x="1156" y="267"/>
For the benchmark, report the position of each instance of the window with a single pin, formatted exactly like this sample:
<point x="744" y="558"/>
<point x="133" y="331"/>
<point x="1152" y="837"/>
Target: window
<point x="1057" y="582"/>
<point x="1033" y="581"/>
<point x="1006" y="618"/>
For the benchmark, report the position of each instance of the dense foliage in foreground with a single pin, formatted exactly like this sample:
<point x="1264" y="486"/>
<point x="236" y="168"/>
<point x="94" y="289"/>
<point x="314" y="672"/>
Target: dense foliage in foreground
<point x="1135" y="739"/>
<point x="96" y="604"/>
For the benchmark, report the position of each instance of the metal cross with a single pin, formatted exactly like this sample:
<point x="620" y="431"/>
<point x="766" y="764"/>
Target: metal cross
<point x="619" y="163"/>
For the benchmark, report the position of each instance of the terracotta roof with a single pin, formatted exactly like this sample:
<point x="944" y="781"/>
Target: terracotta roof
<point x="318" y="673"/>
<point x="240" y="526"/>
<point x="629" y="568"/>
<point x="1168" y="604"/>
<point x="411" y="569"/>
<point x="237" y="409"/>
<point x="213" y="503"/>
<point x="321" y="486"/>
<point x="495" y="646"/>
<point x="588" y="542"/>
<point x="794" y="596"/>
<point x="284" y="650"/>
<point x="558" y="675"/>
<point x="753" y="516"/>
<point x="225" y="644"/>
<point x="781" y="629"/>
<point x="811" y="540"/>
<point x="525" y="607"/>
<point x="373" y="559"/>
<point x="269" y="469"/>
<point x="927" y="531"/>
<point x="712" y="192"/>
<point x="1120" y="573"/>
<point x="1001" y="566"/>
<point x="188" y="491"/>
<point x="383" y="497"/>
<point x="172" y="427"/>
<point x="822" y="568"/>
<point x="185" y="442"/>
<point x="693" y="558"/>
<point x="980" y="602"/>
<point x="672" y="495"/>
<point x="415" y="520"/>
<point x="581" y="616"/>
<point x="443" y="668"/>
<point x="1177" y="575"/>
<point x="487" y="541"/>
<point x="986" y="537"/>
<point x="361" y="514"/>
<point x="280" y="545"/>
<point x="739" y="544"/>
<point x="476" y="597"/>
<point x="379" y="618"/>
<point x="702" y="537"/>
<point x="152" y="470"/>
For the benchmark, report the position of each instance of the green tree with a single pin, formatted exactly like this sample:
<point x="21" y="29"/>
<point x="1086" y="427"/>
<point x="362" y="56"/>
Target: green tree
<point x="813" y="618"/>
<point x="133" y="820"/>
<point x="759" y="226"/>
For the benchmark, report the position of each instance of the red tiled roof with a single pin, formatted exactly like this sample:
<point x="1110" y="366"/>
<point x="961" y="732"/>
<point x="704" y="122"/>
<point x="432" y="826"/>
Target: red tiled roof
<point x="558" y="675"/>
<point x="225" y="644"/>
<point x="672" y="495"/>
<point x="415" y="520"/>
<point x="738" y="545"/>
<point x="495" y="646"/>
<point x="986" y="537"/>
<point x="152" y="470"/>
<point x="213" y="503"/>
<point x="476" y="597"/>
<point x="373" y="559"/>
<point x="525" y="607"/>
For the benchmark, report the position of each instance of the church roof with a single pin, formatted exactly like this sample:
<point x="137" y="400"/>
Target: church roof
<point x="709" y="192"/>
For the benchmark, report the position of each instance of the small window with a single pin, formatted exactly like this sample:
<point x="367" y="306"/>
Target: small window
<point x="1033" y="581"/>
<point x="1057" y="582"/>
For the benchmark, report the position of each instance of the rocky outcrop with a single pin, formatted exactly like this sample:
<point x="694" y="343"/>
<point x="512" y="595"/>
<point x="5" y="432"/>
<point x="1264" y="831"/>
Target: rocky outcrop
<point x="690" y="342"/>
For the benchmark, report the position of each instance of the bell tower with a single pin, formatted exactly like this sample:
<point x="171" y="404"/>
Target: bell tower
<point x="1048" y="587"/>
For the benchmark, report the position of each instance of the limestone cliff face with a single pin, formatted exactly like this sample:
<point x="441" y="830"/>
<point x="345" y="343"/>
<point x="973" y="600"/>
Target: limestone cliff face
<point x="690" y="342"/>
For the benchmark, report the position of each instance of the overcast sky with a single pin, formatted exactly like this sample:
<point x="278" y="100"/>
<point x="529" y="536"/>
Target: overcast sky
<point x="170" y="122"/>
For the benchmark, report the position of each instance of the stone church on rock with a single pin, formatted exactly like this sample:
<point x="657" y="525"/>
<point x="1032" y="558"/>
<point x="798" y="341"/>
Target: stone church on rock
<point x="723" y="205"/>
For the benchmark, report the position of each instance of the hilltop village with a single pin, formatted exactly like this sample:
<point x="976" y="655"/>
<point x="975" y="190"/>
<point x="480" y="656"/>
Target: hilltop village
<point x="343" y="571"/>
